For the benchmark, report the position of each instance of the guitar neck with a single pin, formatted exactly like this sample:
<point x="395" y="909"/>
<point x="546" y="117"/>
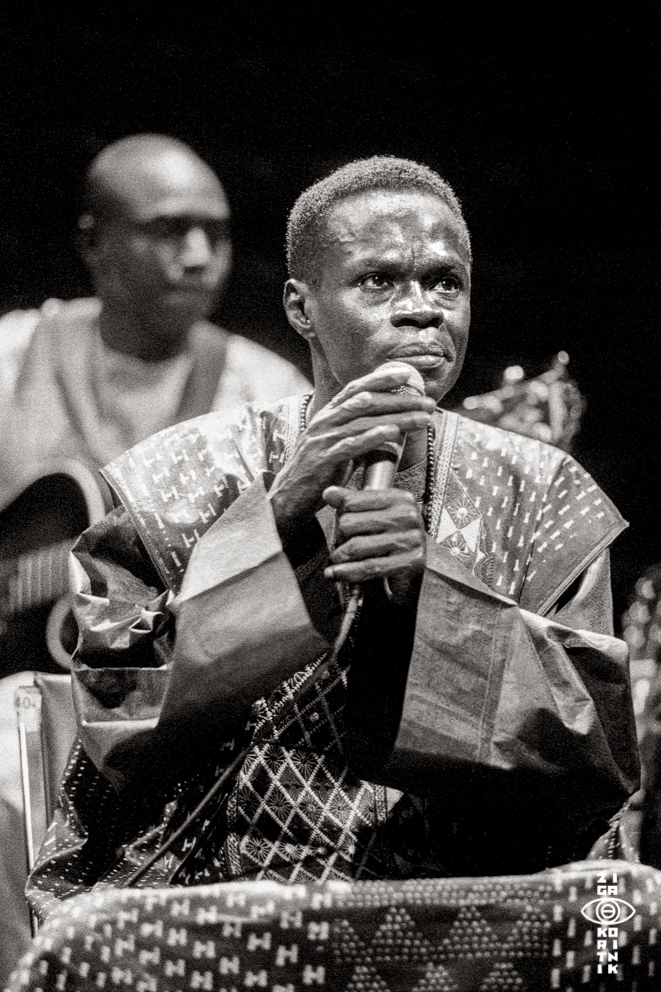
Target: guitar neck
<point x="36" y="578"/>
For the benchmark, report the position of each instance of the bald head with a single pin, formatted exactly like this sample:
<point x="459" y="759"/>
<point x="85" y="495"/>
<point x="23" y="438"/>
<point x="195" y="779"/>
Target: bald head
<point x="139" y="168"/>
<point x="155" y="237"/>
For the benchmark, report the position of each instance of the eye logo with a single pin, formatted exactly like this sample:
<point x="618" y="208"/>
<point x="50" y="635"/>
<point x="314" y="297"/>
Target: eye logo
<point x="608" y="912"/>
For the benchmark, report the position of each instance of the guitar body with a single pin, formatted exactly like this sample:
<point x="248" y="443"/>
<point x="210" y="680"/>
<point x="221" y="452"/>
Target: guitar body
<point x="37" y="531"/>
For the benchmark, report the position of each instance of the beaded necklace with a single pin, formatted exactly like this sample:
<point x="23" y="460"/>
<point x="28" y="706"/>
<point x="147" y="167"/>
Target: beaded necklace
<point x="431" y="459"/>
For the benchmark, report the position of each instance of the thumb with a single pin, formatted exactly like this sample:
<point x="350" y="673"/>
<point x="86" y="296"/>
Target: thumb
<point x="335" y="496"/>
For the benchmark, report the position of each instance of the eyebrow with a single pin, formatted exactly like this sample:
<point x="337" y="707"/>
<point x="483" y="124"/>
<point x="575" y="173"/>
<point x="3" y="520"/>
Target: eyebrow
<point x="388" y="259"/>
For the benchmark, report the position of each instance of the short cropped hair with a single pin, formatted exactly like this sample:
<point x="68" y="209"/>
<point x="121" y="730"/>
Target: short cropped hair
<point x="307" y="232"/>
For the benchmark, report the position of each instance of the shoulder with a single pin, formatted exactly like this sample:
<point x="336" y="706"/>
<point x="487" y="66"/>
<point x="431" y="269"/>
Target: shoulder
<point x="204" y="333"/>
<point x="552" y="471"/>
<point x="28" y="336"/>
<point x="178" y="482"/>
<point x="81" y="308"/>
<point x="248" y="372"/>
<point x="545" y="517"/>
<point x="54" y="318"/>
<point x="62" y="313"/>
<point x="17" y="325"/>
<point x="264" y="363"/>
<point x="503" y="445"/>
<point x="214" y="434"/>
<point x="17" y="330"/>
<point x="532" y="465"/>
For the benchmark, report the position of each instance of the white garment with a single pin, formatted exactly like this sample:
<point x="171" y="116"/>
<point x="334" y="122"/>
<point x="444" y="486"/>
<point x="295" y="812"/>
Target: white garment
<point x="65" y="395"/>
<point x="16" y="330"/>
<point x="136" y="398"/>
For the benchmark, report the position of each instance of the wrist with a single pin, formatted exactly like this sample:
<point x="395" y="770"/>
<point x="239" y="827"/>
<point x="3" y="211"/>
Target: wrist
<point x="291" y="524"/>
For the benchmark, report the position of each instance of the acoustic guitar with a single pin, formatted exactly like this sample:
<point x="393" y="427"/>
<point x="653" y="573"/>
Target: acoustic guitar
<point x="37" y="531"/>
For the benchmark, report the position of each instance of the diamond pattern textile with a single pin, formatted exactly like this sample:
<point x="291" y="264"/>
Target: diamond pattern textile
<point x="525" y="932"/>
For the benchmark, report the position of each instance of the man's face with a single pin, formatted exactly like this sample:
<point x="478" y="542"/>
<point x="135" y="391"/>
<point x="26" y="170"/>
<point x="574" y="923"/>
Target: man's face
<point x="394" y="283"/>
<point x="167" y="254"/>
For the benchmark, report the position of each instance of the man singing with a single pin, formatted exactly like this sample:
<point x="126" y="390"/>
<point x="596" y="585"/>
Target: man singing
<point x="477" y="717"/>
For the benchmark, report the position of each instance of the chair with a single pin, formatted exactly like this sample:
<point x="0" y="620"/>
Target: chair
<point x="31" y="766"/>
<point x="46" y="730"/>
<point x="45" y="749"/>
<point x="527" y="932"/>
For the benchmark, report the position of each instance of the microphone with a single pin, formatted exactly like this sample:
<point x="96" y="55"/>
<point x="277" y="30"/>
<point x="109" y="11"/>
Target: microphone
<point x="380" y="471"/>
<point x="381" y="465"/>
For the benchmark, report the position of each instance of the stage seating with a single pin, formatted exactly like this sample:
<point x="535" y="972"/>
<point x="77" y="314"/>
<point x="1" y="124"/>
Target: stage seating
<point x="552" y="930"/>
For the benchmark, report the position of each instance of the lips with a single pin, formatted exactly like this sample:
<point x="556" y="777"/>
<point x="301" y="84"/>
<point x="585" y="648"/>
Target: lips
<point x="421" y="359"/>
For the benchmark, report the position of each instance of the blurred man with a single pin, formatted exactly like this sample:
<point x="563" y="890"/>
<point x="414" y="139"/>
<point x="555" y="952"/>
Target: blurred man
<point x="88" y="378"/>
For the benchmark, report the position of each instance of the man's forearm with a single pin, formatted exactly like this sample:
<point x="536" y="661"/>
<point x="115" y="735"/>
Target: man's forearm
<point x="242" y="626"/>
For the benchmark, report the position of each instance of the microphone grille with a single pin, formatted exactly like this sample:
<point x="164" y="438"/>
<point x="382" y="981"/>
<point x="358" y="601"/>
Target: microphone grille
<point x="414" y="384"/>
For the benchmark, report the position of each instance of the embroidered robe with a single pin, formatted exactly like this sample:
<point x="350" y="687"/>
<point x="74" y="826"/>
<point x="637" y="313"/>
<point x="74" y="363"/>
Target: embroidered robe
<point x="502" y="745"/>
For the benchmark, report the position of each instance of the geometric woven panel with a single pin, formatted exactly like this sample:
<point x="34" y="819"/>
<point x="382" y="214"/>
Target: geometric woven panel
<point x="588" y="926"/>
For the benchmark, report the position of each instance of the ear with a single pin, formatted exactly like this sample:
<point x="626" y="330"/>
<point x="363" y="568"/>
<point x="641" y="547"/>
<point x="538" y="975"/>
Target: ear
<point x="298" y="303"/>
<point x="87" y="239"/>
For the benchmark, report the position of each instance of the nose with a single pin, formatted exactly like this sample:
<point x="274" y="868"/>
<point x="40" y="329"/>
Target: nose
<point x="413" y="305"/>
<point x="195" y="251"/>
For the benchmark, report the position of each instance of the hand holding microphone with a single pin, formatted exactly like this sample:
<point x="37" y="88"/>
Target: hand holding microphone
<point x="381" y="529"/>
<point x="370" y="414"/>
<point x="381" y="464"/>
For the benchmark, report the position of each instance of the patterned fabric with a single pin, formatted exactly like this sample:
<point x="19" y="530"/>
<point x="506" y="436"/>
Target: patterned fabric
<point x="516" y="512"/>
<point x="295" y="812"/>
<point x="521" y="515"/>
<point x="461" y="531"/>
<point x="591" y="926"/>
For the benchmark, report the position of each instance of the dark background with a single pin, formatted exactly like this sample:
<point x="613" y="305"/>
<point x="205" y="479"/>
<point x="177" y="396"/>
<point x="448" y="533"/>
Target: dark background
<point x="544" y="123"/>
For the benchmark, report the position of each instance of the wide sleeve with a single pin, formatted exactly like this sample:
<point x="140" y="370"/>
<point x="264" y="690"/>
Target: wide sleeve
<point x="156" y="673"/>
<point x="499" y="706"/>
